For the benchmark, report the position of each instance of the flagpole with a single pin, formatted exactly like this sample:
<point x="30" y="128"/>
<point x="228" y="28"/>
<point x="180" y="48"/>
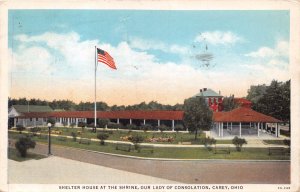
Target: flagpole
<point x="95" y="106"/>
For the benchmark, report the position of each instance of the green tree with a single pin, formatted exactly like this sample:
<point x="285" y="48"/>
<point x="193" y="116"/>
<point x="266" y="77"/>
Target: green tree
<point x="197" y="115"/>
<point x="52" y="121"/>
<point x="162" y="128"/>
<point x="228" y="103"/>
<point x="103" y="122"/>
<point x="136" y="140"/>
<point x="23" y="144"/>
<point x="146" y="127"/>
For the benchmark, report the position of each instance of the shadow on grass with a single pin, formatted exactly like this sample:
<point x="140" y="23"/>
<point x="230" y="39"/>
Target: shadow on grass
<point x="13" y="154"/>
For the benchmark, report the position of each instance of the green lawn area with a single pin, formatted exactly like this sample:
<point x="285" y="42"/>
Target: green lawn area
<point x="117" y="134"/>
<point x="274" y="142"/>
<point x="168" y="152"/>
<point x="13" y="154"/>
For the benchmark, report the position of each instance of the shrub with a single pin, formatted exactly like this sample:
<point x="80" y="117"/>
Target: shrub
<point x="102" y="123"/>
<point x="146" y="127"/>
<point x="114" y="125"/>
<point x="131" y="126"/>
<point x="23" y="144"/>
<point x="52" y="121"/>
<point x="238" y="142"/>
<point x="65" y="123"/>
<point x="74" y="135"/>
<point x="102" y="136"/>
<point x="136" y="139"/>
<point x="20" y="128"/>
<point x="179" y="127"/>
<point x="81" y="124"/>
<point x="208" y="142"/>
<point x="162" y="128"/>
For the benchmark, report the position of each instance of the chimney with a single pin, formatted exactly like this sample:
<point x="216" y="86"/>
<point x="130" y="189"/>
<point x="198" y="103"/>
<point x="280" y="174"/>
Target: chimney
<point x="200" y="90"/>
<point x="204" y="89"/>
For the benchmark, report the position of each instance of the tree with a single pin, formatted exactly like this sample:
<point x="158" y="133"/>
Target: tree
<point x="52" y="121"/>
<point x="256" y="92"/>
<point x="228" y="103"/>
<point x="103" y="122"/>
<point x="23" y="144"/>
<point x="197" y="115"/>
<point x="102" y="136"/>
<point x="238" y="142"/>
<point x="146" y="127"/>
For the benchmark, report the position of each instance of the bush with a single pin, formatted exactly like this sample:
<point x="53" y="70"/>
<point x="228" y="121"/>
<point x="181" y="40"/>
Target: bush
<point x="102" y="136"/>
<point x="162" y="128"/>
<point x="72" y="125"/>
<point x="23" y="144"/>
<point x="65" y="123"/>
<point x="136" y="139"/>
<point x="20" y="128"/>
<point x="238" y="142"/>
<point x="131" y="126"/>
<point x="114" y="125"/>
<point x="208" y="142"/>
<point x="82" y="124"/>
<point x="102" y="123"/>
<point x="52" y="121"/>
<point x="74" y="135"/>
<point x="146" y="127"/>
<point x="179" y="127"/>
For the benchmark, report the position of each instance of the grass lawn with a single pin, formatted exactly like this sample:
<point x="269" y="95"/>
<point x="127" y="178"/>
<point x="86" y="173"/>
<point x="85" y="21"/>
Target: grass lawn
<point x="167" y="152"/>
<point x="274" y="142"/>
<point x="13" y="154"/>
<point x="117" y="134"/>
<point x="224" y="141"/>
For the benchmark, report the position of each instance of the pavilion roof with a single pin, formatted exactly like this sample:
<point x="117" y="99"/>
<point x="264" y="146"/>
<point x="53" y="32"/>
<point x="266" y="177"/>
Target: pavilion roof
<point x="145" y="114"/>
<point x="243" y="114"/>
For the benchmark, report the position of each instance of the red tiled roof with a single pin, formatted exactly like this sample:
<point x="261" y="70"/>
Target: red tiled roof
<point x="162" y="115"/>
<point x="243" y="114"/>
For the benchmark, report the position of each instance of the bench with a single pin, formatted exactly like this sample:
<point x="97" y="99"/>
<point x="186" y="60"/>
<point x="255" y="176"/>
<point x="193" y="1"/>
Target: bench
<point x="222" y="150"/>
<point x="146" y="148"/>
<point x="123" y="147"/>
<point x="85" y="141"/>
<point x="278" y="151"/>
<point x="61" y="138"/>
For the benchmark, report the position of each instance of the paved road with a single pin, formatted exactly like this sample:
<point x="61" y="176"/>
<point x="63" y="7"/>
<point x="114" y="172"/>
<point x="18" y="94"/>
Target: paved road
<point x="194" y="172"/>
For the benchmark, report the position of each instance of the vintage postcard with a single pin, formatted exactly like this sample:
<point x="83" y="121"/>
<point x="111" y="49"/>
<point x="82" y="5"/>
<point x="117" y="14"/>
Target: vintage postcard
<point x="150" y="96"/>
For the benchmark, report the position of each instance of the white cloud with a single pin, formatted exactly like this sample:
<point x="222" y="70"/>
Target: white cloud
<point x="218" y="37"/>
<point x="281" y="49"/>
<point x="139" y="77"/>
<point x="146" y="44"/>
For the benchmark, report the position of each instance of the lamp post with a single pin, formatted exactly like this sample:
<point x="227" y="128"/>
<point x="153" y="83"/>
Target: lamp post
<point x="49" y="138"/>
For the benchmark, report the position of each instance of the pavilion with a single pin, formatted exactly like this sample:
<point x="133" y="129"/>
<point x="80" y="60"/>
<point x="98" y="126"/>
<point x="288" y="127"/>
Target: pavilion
<point x="244" y="121"/>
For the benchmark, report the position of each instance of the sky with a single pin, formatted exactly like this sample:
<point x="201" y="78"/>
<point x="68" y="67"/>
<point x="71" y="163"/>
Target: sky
<point x="52" y="53"/>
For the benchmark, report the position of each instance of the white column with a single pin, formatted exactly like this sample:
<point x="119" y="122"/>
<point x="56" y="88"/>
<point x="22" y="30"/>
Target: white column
<point x="227" y="125"/>
<point x="222" y="129"/>
<point x="258" y="129"/>
<point x="68" y="121"/>
<point x="219" y="126"/>
<point x="34" y="122"/>
<point x="118" y="121"/>
<point x="130" y="121"/>
<point x="15" y="122"/>
<point x="76" y="122"/>
<point x="240" y="129"/>
<point x="230" y="126"/>
<point x="60" y="120"/>
<point x="158" y="122"/>
<point x="173" y="125"/>
<point x="250" y="124"/>
<point x="144" y="121"/>
<point x="278" y="130"/>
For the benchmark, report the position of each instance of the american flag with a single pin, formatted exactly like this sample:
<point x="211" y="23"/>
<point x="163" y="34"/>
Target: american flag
<point x="104" y="57"/>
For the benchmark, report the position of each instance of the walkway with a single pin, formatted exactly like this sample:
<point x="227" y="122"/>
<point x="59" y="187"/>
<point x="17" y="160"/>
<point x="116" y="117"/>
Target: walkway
<point x="196" y="171"/>
<point x="57" y="170"/>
